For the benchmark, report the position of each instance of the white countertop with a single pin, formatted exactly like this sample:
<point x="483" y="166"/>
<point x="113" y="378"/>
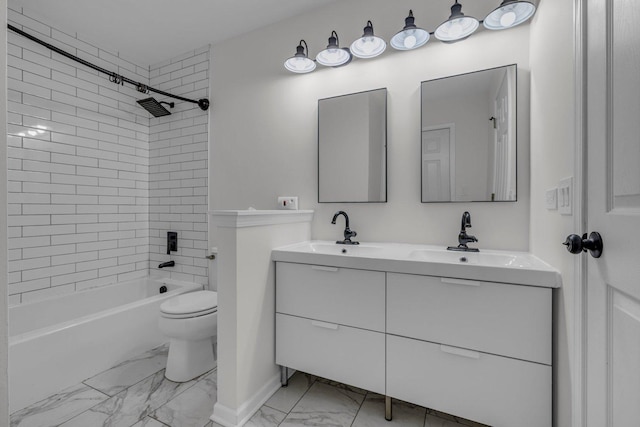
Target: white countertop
<point x="487" y="265"/>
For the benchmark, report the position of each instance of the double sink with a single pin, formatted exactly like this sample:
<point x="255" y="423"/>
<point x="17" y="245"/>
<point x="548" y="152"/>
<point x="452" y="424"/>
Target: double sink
<point x="500" y="266"/>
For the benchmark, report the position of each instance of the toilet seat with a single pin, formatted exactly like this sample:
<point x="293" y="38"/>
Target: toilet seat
<point x="191" y="304"/>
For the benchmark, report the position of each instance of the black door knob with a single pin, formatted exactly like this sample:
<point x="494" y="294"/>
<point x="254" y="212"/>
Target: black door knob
<point x="576" y="244"/>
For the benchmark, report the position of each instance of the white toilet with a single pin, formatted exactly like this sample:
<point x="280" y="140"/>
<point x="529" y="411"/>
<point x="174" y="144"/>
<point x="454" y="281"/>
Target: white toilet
<point x="191" y="321"/>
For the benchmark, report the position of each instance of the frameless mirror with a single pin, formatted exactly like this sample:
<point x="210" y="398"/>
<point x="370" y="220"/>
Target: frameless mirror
<point x="352" y="148"/>
<point x="468" y="150"/>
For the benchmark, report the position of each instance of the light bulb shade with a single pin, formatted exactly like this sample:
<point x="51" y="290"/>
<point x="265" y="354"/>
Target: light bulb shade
<point x="333" y="55"/>
<point x="457" y="27"/>
<point x="411" y="37"/>
<point x="509" y="14"/>
<point x="300" y="63"/>
<point x="369" y="45"/>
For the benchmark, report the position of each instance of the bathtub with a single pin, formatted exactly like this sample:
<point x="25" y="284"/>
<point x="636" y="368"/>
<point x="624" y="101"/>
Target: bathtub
<point x="59" y="342"/>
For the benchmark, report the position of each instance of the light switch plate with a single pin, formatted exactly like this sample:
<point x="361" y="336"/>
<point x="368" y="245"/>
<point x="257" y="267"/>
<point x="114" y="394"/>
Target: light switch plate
<point x="565" y="196"/>
<point x="551" y="199"/>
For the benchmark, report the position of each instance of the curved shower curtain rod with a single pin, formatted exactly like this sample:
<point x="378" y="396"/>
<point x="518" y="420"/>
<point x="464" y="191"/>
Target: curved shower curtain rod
<point x="113" y="77"/>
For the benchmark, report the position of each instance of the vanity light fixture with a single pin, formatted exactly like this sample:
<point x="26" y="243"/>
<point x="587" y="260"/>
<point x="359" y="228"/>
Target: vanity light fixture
<point x="369" y="45"/>
<point x="509" y="14"/>
<point x="333" y="55"/>
<point x="411" y="37"/>
<point x="457" y="27"/>
<point x="300" y="62"/>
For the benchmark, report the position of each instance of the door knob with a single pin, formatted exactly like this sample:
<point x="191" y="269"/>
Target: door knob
<point x="576" y="244"/>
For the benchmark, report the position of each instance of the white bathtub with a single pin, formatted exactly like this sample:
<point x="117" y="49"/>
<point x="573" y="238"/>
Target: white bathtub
<point x="59" y="342"/>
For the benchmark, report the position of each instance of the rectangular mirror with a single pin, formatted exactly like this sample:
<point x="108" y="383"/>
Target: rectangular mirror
<point x="352" y="148"/>
<point x="469" y="127"/>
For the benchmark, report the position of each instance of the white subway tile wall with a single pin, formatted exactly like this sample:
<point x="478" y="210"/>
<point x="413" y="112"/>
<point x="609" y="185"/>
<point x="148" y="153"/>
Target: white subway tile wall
<point x="178" y="169"/>
<point x="94" y="181"/>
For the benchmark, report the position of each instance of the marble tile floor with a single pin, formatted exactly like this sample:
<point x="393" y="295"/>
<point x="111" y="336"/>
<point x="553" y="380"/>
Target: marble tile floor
<point x="136" y="394"/>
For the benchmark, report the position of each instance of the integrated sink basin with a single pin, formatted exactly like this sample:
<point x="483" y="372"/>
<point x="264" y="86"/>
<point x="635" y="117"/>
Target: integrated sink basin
<point x="488" y="265"/>
<point x="361" y="250"/>
<point x="488" y="258"/>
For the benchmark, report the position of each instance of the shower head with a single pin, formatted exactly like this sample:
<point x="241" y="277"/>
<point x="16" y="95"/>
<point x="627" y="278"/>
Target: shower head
<point x="155" y="107"/>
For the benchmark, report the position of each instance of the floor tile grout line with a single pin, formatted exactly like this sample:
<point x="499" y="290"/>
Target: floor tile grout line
<point x="107" y="397"/>
<point x="127" y="388"/>
<point x="120" y="364"/>
<point x="93" y="388"/>
<point x="154" y="418"/>
<point x="303" y="394"/>
<point x="359" y="408"/>
<point x="202" y="377"/>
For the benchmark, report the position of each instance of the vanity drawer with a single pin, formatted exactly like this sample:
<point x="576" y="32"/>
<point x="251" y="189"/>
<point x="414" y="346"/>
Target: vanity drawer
<point x="338" y="295"/>
<point x="497" y="318"/>
<point x="493" y="390"/>
<point x="349" y="355"/>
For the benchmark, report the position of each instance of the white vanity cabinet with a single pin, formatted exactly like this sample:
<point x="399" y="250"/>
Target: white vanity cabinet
<point x="330" y="322"/>
<point x="459" y="338"/>
<point x="480" y="350"/>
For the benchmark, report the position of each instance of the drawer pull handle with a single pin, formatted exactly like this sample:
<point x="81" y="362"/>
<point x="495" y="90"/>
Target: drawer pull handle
<point x="325" y="325"/>
<point x="460" y="282"/>
<point x="322" y="268"/>
<point x="460" y="352"/>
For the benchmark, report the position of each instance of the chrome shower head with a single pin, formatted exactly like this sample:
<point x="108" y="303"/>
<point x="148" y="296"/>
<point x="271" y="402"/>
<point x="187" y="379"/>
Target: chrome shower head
<point x="155" y="107"/>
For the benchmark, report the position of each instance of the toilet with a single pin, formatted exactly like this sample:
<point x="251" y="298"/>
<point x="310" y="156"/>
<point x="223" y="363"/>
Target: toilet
<point x="190" y="320"/>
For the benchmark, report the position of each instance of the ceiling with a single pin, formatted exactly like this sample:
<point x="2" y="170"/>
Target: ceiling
<point x="151" y="31"/>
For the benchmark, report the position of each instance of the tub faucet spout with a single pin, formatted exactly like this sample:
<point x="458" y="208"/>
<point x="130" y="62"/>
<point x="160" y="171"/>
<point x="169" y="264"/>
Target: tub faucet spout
<point x="167" y="264"/>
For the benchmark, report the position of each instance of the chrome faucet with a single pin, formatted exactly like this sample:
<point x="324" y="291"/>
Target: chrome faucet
<point x="463" y="237"/>
<point x="348" y="234"/>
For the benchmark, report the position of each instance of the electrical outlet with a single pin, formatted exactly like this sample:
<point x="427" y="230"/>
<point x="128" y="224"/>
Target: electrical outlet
<point x="288" y="202"/>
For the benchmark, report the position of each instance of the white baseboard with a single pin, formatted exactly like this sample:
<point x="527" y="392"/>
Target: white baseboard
<point x="229" y="417"/>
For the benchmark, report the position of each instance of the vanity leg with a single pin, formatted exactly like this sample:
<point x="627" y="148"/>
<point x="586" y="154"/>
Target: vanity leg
<point x="284" y="376"/>
<point x="387" y="408"/>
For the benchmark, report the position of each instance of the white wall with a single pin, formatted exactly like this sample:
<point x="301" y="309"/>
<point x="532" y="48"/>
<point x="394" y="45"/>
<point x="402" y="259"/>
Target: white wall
<point x="264" y="121"/>
<point x="552" y="158"/>
<point x="78" y="150"/>
<point x="4" y="343"/>
<point x="247" y="373"/>
<point x="178" y="168"/>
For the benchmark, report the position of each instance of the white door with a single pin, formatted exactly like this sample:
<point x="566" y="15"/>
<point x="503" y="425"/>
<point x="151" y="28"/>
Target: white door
<point x="613" y="202"/>
<point x="503" y="187"/>
<point x="438" y="163"/>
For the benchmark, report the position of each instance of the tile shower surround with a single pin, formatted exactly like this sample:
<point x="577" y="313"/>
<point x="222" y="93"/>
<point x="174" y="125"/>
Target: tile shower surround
<point x="178" y="171"/>
<point x="94" y="182"/>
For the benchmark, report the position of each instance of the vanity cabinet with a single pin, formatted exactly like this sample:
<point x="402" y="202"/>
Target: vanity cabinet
<point x="480" y="350"/>
<point x="330" y="322"/>
<point x="497" y="318"/>
<point x="477" y="349"/>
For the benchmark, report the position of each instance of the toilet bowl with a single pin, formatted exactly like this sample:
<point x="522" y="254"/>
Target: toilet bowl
<point x="190" y="321"/>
